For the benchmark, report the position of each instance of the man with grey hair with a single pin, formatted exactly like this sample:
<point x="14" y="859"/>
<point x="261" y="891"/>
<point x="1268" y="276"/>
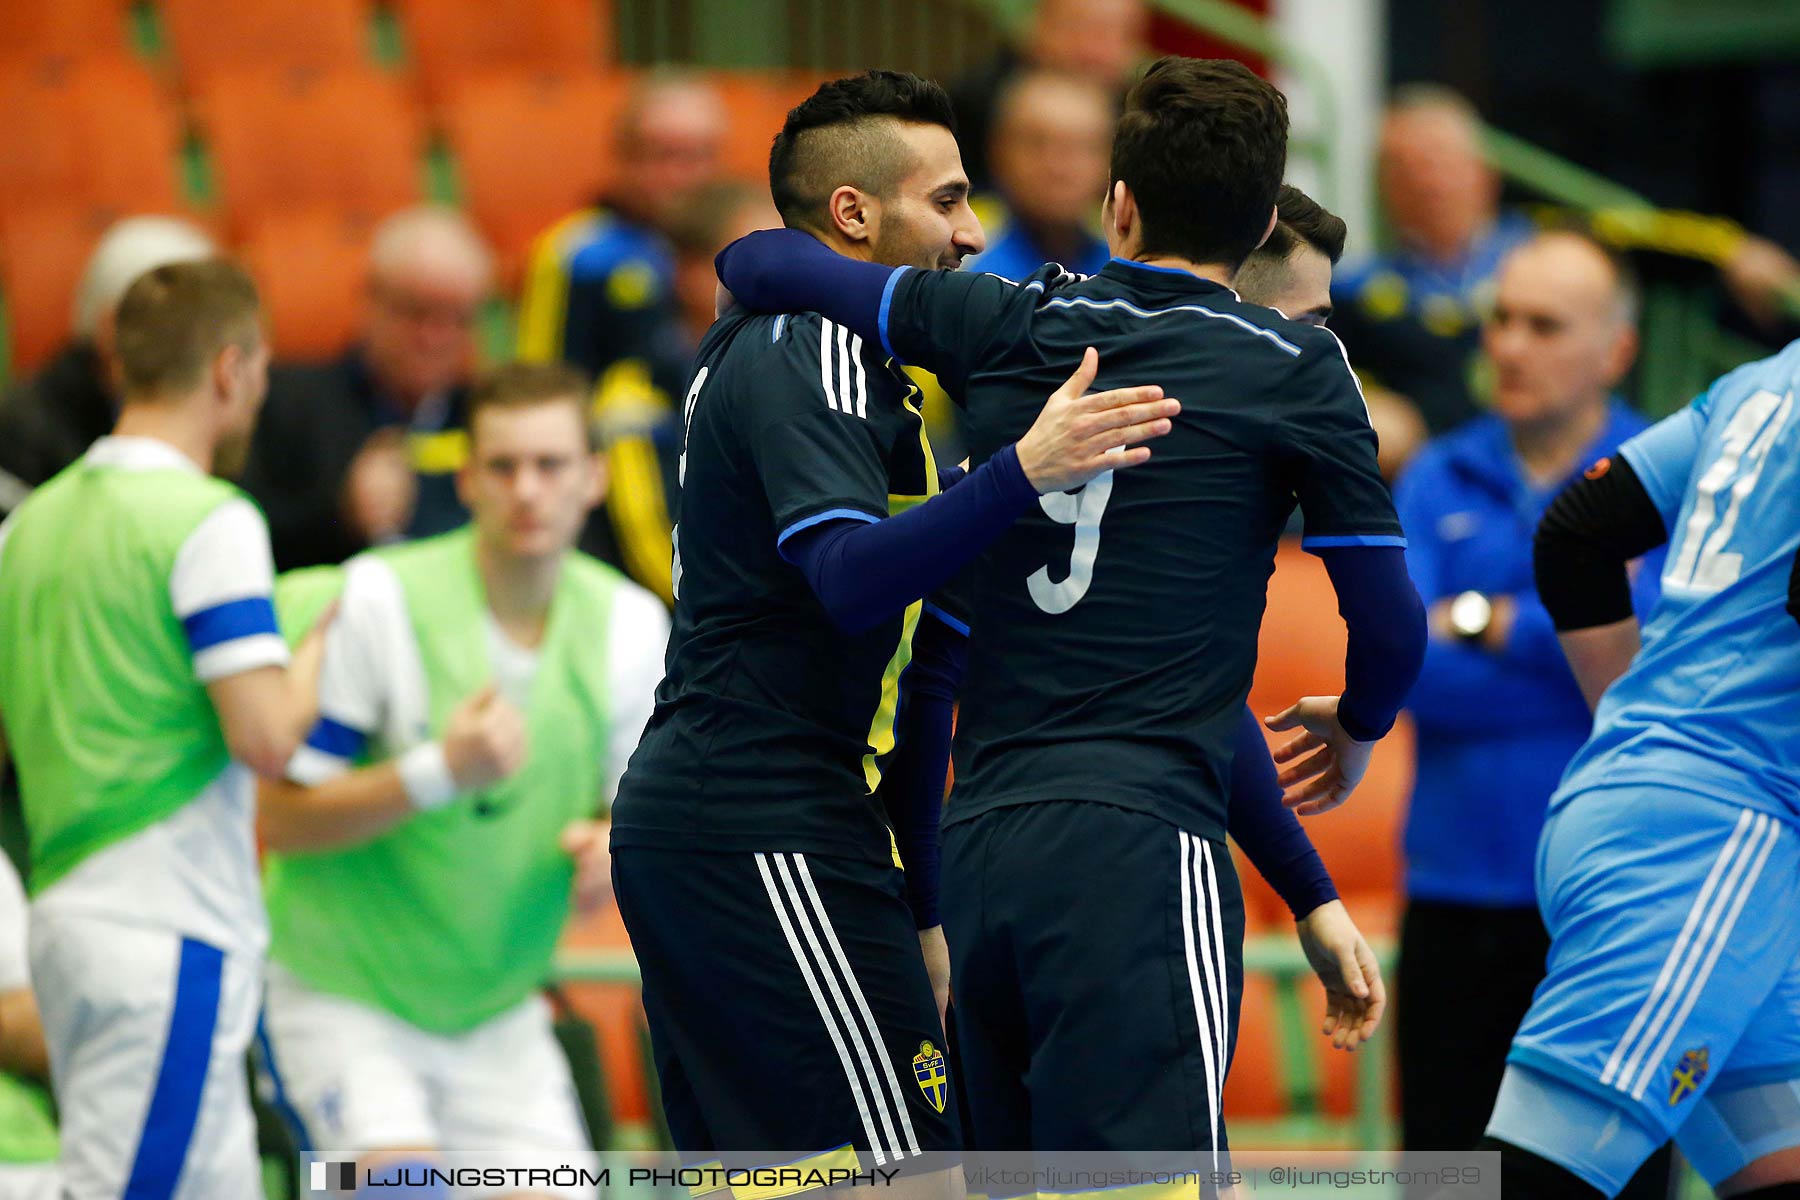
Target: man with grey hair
<point x="50" y="420"/>
<point x="363" y="450"/>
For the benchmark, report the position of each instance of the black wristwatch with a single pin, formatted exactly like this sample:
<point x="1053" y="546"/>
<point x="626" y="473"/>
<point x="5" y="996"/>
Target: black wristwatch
<point x="1470" y="615"/>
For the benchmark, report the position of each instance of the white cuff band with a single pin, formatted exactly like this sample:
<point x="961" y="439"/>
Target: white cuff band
<point x="425" y="772"/>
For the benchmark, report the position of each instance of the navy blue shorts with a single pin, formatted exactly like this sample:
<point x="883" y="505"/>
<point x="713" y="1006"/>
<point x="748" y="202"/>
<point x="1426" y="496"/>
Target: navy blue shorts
<point x="790" y="1014"/>
<point x="1097" y="960"/>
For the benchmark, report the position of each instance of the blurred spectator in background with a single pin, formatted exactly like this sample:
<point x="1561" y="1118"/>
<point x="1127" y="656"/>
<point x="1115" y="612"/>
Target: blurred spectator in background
<point x="50" y="420"/>
<point x="480" y="695"/>
<point x="635" y="409"/>
<point x="1292" y="272"/>
<point x="601" y="281"/>
<point x="1097" y="40"/>
<point x="601" y="294"/>
<point x="1049" y="155"/>
<point x="347" y="454"/>
<point x="1411" y="318"/>
<point x="1497" y="711"/>
<point x="28" y="1145"/>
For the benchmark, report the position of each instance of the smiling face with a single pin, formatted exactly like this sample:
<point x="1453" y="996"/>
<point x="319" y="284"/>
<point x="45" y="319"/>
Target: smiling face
<point x="924" y="219"/>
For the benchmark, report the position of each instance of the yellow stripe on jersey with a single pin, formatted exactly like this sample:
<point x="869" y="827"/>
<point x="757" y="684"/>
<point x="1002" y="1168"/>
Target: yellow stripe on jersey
<point x="827" y="1163"/>
<point x="544" y="307"/>
<point x="626" y="405"/>
<point x="438" y="453"/>
<point x="1180" y="1187"/>
<point x="714" y="1173"/>
<point x="881" y="729"/>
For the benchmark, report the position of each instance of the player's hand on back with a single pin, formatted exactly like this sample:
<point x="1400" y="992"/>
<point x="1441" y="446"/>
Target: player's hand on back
<point x="1080" y="434"/>
<point x="1322" y="764"/>
<point x="1355" y="996"/>
<point x="485" y="740"/>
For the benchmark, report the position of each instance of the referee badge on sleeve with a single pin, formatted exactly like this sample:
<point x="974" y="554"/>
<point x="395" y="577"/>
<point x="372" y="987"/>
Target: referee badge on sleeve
<point x="928" y="1069"/>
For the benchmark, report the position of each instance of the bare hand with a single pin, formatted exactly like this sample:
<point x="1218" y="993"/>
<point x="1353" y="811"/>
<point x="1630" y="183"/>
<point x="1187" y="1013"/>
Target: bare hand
<point x="485" y="740"/>
<point x="1759" y="273"/>
<point x="588" y="843"/>
<point x="937" y="967"/>
<point x="380" y="489"/>
<point x="1080" y="434"/>
<point x="1321" y="765"/>
<point x="1355" y="996"/>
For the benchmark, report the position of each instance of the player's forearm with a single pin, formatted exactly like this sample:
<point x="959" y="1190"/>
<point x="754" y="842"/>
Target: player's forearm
<point x="788" y="270"/>
<point x="22" y="1048"/>
<point x="913" y="790"/>
<point x="1385" y="620"/>
<point x="263" y="717"/>
<point x="1600" y="654"/>
<point x="1267" y="831"/>
<point x="866" y="572"/>
<point x="345" y="810"/>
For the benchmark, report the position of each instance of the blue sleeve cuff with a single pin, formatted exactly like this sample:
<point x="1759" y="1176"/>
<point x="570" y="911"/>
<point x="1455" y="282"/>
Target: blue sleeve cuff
<point x="832" y="514"/>
<point x="1336" y="541"/>
<point x="337" y="739"/>
<point x="887" y="301"/>
<point x="230" y="621"/>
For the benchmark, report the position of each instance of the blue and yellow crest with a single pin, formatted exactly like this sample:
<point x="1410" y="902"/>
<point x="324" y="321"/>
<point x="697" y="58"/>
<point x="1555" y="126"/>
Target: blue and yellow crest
<point x="928" y="1069"/>
<point x="1689" y="1074"/>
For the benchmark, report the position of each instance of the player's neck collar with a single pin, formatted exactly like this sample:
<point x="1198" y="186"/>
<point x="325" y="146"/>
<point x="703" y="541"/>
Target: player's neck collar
<point x="1140" y="272"/>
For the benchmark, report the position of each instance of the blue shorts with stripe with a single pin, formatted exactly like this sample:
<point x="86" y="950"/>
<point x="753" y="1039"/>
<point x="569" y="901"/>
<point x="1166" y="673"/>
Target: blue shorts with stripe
<point x="1674" y="969"/>
<point x="791" y="1017"/>
<point x="1097" y="959"/>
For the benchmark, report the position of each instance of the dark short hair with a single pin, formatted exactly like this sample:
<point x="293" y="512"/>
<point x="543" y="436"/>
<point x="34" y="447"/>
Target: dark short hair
<point x="1202" y="146"/>
<point x="1303" y="219"/>
<point x="517" y="385"/>
<point x="174" y="320"/>
<point x="836" y="137"/>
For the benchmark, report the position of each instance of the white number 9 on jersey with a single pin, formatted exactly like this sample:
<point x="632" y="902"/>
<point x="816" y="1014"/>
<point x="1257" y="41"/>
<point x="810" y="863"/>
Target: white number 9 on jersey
<point x="1082" y="509"/>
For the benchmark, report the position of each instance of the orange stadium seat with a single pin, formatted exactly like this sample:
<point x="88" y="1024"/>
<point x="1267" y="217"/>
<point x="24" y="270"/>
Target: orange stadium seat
<point x="1301" y="653"/>
<point x="42" y="253"/>
<point x="758" y="103"/>
<point x="449" y="40"/>
<point x="618" y="1015"/>
<point x="95" y="131"/>
<point x="350" y="141"/>
<point x="312" y="269"/>
<point x="531" y="148"/>
<point x="208" y="37"/>
<point x="38" y="29"/>
<point x="1255" y="1090"/>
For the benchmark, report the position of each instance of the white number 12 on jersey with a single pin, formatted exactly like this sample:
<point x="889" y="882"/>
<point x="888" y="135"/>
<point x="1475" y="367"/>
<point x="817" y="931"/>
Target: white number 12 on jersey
<point x="1083" y="510"/>
<point x="1701" y="564"/>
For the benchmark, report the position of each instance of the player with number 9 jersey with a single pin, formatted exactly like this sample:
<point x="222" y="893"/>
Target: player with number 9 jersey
<point x="1666" y="869"/>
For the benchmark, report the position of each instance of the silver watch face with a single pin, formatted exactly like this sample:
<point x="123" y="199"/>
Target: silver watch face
<point x="1470" y="614"/>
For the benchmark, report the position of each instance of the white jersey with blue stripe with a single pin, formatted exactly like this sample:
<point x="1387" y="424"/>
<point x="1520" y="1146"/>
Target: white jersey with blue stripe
<point x="1709" y="704"/>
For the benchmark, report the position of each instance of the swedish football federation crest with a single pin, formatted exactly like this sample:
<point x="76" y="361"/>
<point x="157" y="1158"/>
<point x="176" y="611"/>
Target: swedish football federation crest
<point x="1688" y="1075"/>
<point x="928" y="1069"/>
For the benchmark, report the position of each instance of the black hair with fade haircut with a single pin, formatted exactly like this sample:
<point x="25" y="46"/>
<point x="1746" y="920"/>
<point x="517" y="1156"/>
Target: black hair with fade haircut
<point x="1202" y="146"/>
<point x="1300" y="218"/>
<point x="836" y="137"/>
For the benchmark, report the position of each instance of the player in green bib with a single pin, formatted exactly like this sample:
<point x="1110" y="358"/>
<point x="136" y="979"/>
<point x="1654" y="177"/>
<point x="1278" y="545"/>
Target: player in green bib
<point x="142" y="682"/>
<point x="480" y="695"/>
<point x="27" y="1119"/>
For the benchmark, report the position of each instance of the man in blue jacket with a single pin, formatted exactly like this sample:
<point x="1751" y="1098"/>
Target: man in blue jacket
<point x="1497" y="711"/>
